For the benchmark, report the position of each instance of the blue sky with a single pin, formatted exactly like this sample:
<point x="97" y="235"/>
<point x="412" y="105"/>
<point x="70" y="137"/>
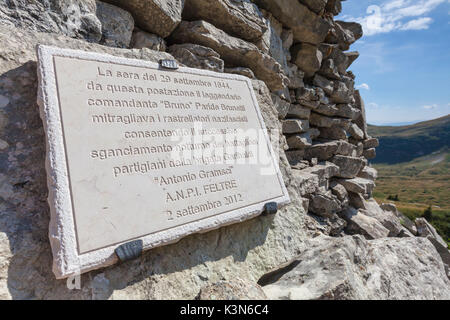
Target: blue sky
<point x="403" y="71"/>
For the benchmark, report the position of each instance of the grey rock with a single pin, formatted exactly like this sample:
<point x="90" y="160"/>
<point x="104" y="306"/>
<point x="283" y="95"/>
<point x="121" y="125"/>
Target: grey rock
<point x="299" y="141"/>
<point x="321" y="151"/>
<point x="234" y="289"/>
<point x="358" y="185"/>
<point x="295" y="157"/>
<point x="298" y="111"/>
<point x="329" y="70"/>
<point x="370" y="153"/>
<point x="281" y="105"/>
<point x="234" y="51"/>
<point x="76" y="19"/>
<point x="295" y="126"/>
<point x="117" y="25"/>
<point x="333" y="133"/>
<point x="314" y="133"/>
<point x="349" y="167"/>
<point x="176" y="271"/>
<point x="318" y="6"/>
<point x="155" y="16"/>
<point x="368" y="173"/>
<point x="351" y="56"/>
<point x="388" y="219"/>
<point x="425" y="229"/>
<point x="344" y="34"/>
<point x="340" y="110"/>
<point x="324" y="83"/>
<point x="196" y="56"/>
<point x="370" y="143"/>
<point x="142" y="39"/>
<point x="359" y="223"/>
<point x="305" y="24"/>
<point x="404" y="220"/>
<point x="324" y="204"/>
<point x="241" y="19"/>
<point x="355" y="132"/>
<point x="341" y="93"/>
<point x="319" y="120"/>
<point x="295" y="76"/>
<point x="247" y="72"/>
<point x="339" y="191"/>
<point x="361" y="119"/>
<point x="334" y="7"/>
<point x="307" y="57"/>
<point x="352" y="267"/>
<point x="307" y="183"/>
<point x="324" y="171"/>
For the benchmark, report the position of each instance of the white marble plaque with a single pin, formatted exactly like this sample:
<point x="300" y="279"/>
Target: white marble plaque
<point x="137" y="152"/>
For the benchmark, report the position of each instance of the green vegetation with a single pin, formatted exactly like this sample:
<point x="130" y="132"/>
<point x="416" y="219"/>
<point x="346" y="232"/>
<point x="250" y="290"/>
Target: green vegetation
<point x="413" y="164"/>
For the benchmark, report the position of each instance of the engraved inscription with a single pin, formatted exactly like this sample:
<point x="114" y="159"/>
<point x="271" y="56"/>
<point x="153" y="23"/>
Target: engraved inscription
<point x="151" y="149"/>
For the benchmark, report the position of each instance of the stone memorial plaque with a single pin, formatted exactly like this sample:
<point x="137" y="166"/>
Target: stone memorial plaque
<point x="136" y="151"/>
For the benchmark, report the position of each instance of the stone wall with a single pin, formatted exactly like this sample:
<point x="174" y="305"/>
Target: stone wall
<point x="298" y="57"/>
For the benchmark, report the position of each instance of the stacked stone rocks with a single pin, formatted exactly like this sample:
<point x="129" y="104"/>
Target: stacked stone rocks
<point x="333" y="233"/>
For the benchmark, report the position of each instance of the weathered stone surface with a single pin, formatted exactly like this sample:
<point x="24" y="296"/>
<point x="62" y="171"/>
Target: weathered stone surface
<point x="358" y="185"/>
<point x="298" y="111"/>
<point x="339" y="191"/>
<point x="333" y="133"/>
<point x="241" y="19"/>
<point x="117" y="25"/>
<point x="295" y="156"/>
<point x="307" y="183"/>
<point x="242" y="71"/>
<point x="322" y="151"/>
<point x="234" y="51"/>
<point x="315" y="5"/>
<point x="324" y="171"/>
<point x="340" y="110"/>
<point x="341" y="93"/>
<point x="370" y="143"/>
<point x="305" y="24"/>
<point x="295" y="76"/>
<point x="324" y="204"/>
<point x="281" y="105"/>
<point x="351" y="56"/>
<point x="327" y="122"/>
<point x="314" y="133"/>
<point x="368" y="173"/>
<point x="235" y="289"/>
<point x="359" y="223"/>
<point x="324" y="83"/>
<point x="388" y="219"/>
<point x="370" y="153"/>
<point x="141" y="39"/>
<point x="176" y="271"/>
<point x="299" y="141"/>
<point x="349" y="167"/>
<point x="353" y="268"/>
<point x="295" y="126"/>
<point x="404" y="220"/>
<point x="361" y="120"/>
<point x="76" y="19"/>
<point x="355" y="132"/>
<point x="307" y="57"/>
<point x="196" y="56"/>
<point x="154" y="16"/>
<point x="344" y="34"/>
<point x="334" y="7"/>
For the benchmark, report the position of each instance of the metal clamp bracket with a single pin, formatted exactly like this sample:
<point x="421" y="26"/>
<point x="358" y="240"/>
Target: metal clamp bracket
<point x="270" y="208"/>
<point x="168" y="64"/>
<point x="129" y="250"/>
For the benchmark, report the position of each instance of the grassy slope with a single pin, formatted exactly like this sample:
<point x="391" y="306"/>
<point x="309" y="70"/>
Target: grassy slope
<point x="420" y="181"/>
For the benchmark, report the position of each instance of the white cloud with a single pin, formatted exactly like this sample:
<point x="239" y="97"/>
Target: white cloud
<point x="395" y="15"/>
<point x="417" y="24"/>
<point x="430" y="106"/>
<point x="373" y="105"/>
<point x="364" y="86"/>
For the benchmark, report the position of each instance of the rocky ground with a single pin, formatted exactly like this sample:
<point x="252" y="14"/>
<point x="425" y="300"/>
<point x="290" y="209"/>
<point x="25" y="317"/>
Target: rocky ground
<point x="332" y="242"/>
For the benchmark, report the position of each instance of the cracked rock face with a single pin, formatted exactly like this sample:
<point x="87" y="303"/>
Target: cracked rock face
<point x="354" y="268"/>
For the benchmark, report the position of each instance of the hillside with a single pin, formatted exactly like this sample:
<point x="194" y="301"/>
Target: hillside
<point x="405" y="143"/>
<point x="413" y="164"/>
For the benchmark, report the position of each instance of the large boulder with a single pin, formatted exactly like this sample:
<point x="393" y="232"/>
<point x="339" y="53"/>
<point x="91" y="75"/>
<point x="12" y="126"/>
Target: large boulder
<point x="234" y="51"/>
<point x="307" y="57"/>
<point x="196" y="56"/>
<point x="155" y="16"/>
<point x="306" y="25"/>
<point x="349" y="167"/>
<point x="241" y="19"/>
<point x="142" y="39"/>
<point x="354" y="268"/>
<point x="360" y="223"/>
<point x="76" y="19"/>
<point x="117" y="25"/>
